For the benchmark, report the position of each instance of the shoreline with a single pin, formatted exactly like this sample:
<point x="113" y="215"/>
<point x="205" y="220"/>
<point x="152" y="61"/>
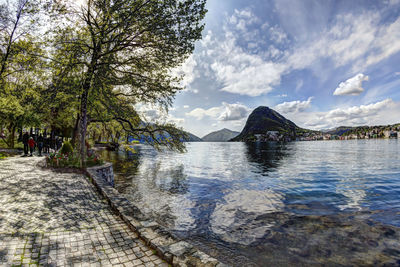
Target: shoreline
<point x="168" y="246"/>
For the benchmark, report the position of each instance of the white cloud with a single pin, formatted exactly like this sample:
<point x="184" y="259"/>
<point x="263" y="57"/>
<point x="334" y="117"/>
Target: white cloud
<point x="187" y="71"/>
<point x="156" y="114"/>
<point x="186" y="106"/>
<point x="294" y="106"/>
<point x="236" y="72"/>
<point x="225" y="112"/>
<point x="375" y="113"/>
<point x="207" y="39"/>
<point x="150" y="112"/>
<point x="178" y="121"/>
<point x="234" y="112"/>
<point x="243" y="73"/>
<point x="392" y="2"/>
<point x="278" y="35"/>
<point x="232" y="66"/>
<point x="352" y="86"/>
<point x="241" y="19"/>
<point x="358" y="111"/>
<point x="200" y="113"/>
<point x="358" y="41"/>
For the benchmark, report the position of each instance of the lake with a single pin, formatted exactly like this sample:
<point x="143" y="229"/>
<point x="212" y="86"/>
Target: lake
<point x="303" y="203"/>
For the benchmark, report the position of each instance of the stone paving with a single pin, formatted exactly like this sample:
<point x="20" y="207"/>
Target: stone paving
<point x="57" y="219"/>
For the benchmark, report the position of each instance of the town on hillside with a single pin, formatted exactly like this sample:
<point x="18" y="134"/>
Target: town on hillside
<point x="340" y="133"/>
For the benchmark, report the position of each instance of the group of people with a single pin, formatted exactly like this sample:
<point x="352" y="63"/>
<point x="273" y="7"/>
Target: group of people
<point x="40" y="142"/>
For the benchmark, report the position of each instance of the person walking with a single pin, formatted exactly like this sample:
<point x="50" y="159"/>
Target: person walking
<point x="25" y="139"/>
<point x="40" y="141"/>
<point x="46" y="144"/>
<point x="31" y="144"/>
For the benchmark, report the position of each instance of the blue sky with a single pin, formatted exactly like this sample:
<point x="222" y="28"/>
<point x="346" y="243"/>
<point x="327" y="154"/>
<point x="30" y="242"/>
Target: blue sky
<point x="321" y="64"/>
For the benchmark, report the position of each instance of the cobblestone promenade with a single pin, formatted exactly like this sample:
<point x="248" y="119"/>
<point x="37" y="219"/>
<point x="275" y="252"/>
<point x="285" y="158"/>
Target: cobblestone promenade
<point x="58" y="219"/>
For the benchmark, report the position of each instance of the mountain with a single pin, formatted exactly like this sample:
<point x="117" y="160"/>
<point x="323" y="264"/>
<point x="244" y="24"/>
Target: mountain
<point x="339" y="130"/>
<point x="223" y="135"/>
<point x="192" y="138"/>
<point x="264" y="119"/>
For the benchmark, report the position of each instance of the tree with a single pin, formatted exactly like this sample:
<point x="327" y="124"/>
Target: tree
<point x="21" y="79"/>
<point x="18" y="19"/>
<point x="20" y="100"/>
<point x="127" y="49"/>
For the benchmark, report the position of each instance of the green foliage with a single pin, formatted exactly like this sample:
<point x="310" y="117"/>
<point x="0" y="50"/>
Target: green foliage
<point x="96" y="64"/>
<point x="116" y="54"/>
<point x="72" y="160"/>
<point x="93" y="160"/>
<point x="66" y="148"/>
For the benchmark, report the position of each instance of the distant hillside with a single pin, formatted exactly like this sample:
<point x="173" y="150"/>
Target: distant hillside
<point x="264" y="119"/>
<point x="339" y="130"/>
<point x="265" y="124"/>
<point x="223" y="135"/>
<point x="192" y="138"/>
<point x="378" y="131"/>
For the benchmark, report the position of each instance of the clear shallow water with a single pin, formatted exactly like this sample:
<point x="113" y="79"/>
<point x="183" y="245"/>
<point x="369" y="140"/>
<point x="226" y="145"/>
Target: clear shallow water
<point x="307" y="203"/>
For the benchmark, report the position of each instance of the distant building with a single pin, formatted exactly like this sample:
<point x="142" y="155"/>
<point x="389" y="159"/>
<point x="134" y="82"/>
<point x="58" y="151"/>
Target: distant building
<point x="273" y="133"/>
<point x="390" y="134"/>
<point x="327" y="137"/>
<point x="353" y="136"/>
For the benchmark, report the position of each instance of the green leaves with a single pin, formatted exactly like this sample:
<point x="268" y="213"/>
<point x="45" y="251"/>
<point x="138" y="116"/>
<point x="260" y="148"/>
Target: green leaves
<point x="10" y="108"/>
<point x="95" y="62"/>
<point x="131" y="46"/>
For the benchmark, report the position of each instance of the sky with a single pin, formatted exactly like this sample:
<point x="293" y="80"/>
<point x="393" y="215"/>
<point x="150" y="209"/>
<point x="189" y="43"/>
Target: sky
<point x="321" y="64"/>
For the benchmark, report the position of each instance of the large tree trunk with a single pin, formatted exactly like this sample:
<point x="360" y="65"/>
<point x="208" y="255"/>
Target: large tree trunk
<point x="11" y="135"/>
<point x="83" y="116"/>
<point x="75" y="133"/>
<point x="85" y="90"/>
<point x="83" y="125"/>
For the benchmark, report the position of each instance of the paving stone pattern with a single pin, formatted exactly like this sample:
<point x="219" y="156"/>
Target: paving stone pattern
<point x="58" y="219"/>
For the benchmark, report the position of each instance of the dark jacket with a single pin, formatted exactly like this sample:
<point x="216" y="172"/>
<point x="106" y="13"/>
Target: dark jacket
<point x="25" y="138"/>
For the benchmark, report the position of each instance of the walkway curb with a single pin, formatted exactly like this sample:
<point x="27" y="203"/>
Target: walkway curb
<point x="168" y="246"/>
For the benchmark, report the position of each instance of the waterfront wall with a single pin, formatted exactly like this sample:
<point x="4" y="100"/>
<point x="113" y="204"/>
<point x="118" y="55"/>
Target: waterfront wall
<point x="168" y="246"/>
<point x="104" y="172"/>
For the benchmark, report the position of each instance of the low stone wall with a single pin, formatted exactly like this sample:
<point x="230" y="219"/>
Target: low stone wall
<point x="11" y="150"/>
<point x="167" y="245"/>
<point x="105" y="172"/>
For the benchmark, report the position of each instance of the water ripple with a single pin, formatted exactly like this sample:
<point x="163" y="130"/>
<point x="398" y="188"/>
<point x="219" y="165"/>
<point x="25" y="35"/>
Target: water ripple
<point x="237" y="195"/>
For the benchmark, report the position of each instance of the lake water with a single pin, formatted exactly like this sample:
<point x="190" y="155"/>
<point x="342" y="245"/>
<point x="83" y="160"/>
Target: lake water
<point x="302" y="203"/>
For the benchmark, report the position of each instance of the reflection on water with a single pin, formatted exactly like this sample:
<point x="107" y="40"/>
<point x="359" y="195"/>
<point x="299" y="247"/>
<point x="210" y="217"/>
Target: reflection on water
<point x="307" y="203"/>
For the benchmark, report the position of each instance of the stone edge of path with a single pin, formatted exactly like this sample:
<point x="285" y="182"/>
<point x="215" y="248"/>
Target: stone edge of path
<point x="11" y="150"/>
<point x="168" y="246"/>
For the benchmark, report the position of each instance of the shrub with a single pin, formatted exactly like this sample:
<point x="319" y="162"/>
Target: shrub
<point x="66" y="148"/>
<point x="71" y="160"/>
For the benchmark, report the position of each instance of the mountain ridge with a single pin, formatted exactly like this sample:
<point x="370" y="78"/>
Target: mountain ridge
<point x="191" y="137"/>
<point x="222" y="135"/>
<point x="264" y="119"/>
